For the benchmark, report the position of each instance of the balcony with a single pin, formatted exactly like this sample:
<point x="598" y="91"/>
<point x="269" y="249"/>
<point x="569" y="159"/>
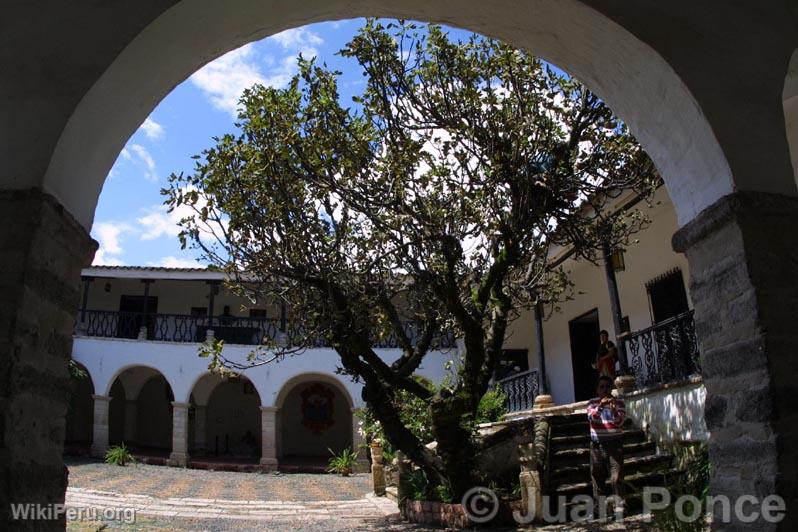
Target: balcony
<point x="520" y="389"/>
<point x="665" y="352"/>
<point x="195" y="329"/>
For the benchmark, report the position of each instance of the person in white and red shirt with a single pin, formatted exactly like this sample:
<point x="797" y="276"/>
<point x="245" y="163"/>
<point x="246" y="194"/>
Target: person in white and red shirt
<point x="606" y="415"/>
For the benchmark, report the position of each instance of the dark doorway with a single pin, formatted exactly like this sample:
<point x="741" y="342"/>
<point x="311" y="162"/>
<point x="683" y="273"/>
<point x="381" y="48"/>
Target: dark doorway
<point x="584" y="332"/>
<point x="131" y="316"/>
<point x="668" y="295"/>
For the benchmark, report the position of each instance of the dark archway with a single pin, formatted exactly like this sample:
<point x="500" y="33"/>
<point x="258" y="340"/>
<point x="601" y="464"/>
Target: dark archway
<point x="80" y="413"/>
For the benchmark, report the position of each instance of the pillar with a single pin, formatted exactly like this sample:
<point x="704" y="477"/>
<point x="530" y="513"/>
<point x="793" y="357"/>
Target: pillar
<point x="268" y="434"/>
<point x="131" y="419"/>
<point x="200" y="417"/>
<point x="43" y="250"/>
<point x="377" y="468"/>
<point x="99" y="441"/>
<point x="743" y="252"/>
<point x="179" y="455"/>
<point x="359" y="443"/>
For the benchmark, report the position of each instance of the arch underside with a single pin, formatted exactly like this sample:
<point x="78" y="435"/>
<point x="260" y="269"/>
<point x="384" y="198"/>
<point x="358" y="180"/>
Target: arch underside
<point x="636" y="82"/>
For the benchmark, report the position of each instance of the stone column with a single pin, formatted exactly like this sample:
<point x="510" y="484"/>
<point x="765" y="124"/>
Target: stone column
<point x="359" y="443"/>
<point x="743" y="254"/>
<point x="131" y="420"/>
<point x="377" y="468"/>
<point x="99" y="441"/>
<point x="268" y="434"/>
<point x="43" y="250"/>
<point x="200" y="417"/>
<point x="179" y="455"/>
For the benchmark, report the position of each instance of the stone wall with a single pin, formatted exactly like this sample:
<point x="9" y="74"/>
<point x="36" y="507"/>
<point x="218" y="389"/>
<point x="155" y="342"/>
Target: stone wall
<point x="43" y="250"/>
<point x="743" y="254"/>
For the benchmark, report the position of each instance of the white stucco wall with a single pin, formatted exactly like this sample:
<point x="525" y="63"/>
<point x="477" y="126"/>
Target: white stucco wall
<point x="648" y="258"/>
<point x="672" y="414"/>
<point x="106" y="358"/>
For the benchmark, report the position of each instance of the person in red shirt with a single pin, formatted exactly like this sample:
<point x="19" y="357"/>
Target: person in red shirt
<point x="606" y="415"/>
<point x="606" y="357"/>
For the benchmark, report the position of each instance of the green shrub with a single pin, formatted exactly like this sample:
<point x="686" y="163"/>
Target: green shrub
<point x="119" y="455"/>
<point x="492" y="406"/>
<point x="694" y="480"/>
<point x="342" y="464"/>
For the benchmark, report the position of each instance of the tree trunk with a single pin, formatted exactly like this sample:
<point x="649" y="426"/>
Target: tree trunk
<point x="455" y="445"/>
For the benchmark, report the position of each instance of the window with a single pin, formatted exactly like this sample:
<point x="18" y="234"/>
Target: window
<point x="667" y="295"/>
<point x="199" y="311"/>
<point x="257" y="313"/>
<point x="513" y="361"/>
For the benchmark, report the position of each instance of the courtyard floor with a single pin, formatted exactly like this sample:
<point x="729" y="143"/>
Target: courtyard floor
<point x="172" y="499"/>
<point x="166" y="498"/>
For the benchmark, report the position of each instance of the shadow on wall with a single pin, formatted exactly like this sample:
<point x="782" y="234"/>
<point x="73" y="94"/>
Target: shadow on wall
<point x="673" y="417"/>
<point x="315" y="417"/>
<point x="233" y="420"/>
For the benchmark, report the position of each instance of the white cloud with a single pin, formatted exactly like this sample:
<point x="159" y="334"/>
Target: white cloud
<point x="157" y="222"/>
<point x="175" y="262"/>
<point x="152" y="129"/>
<point x="141" y="156"/>
<point x="109" y="235"/>
<point x="298" y="39"/>
<point x="224" y="79"/>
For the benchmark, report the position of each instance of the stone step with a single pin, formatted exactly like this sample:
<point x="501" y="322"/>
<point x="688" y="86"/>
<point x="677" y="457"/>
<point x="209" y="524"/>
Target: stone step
<point x="578" y="455"/>
<point x="581" y="426"/>
<point x="632" y="465"/>
<point x="580" y="441"/>
<point x="636" y="482"/>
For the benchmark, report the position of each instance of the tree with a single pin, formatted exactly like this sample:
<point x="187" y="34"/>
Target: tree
<point x="432" y="201"/>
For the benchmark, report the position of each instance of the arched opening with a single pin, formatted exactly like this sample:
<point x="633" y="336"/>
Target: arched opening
<point x="654" y="101"/>
<point x="790" y="98"/>
<point x="225" y="419"/>
<point x="140" y="411"/>
<point x="80" y="412"/>
<point x="314" y="419"/>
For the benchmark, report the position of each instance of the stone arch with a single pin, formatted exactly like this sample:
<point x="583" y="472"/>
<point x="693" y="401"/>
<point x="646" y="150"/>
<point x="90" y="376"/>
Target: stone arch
<point x="641" y="87"/>
<point x="790" y="99"/>
<point x="141" y="415"/>
<point x="80" y="411"/>
<point x="314" y="416"/>
<point x="225" y="417"/>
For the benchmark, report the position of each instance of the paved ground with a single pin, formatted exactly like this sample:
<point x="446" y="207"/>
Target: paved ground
<point x="172" y="499"/>
<point x="166" y="498"/>
<point x="165" y="482"/>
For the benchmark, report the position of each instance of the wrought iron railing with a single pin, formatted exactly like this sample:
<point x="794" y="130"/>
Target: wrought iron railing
<point x="231" y="329"/>
<point x="520" y="389"/>
<point x="665" y="352"/>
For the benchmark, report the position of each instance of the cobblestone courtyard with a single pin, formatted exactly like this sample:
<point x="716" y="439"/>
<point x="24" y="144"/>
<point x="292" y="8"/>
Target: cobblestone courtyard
<point x="166" y="498"/>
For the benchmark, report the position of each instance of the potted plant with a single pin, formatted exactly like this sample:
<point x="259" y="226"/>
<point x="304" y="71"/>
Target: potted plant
<point x="343" y="463"/>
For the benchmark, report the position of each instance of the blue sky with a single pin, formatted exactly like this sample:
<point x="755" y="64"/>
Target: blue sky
<point x="131" y="223"/>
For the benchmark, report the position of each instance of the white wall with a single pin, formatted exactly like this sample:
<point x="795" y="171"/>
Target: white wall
<point x="648" y="258"/>
<point x="671" y="415"/>
<point x="106" y="358"/>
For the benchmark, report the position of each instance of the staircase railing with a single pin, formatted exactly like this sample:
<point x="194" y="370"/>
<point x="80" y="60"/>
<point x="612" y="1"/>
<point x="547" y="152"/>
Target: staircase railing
<point x="665" y="352"/>
<point x="520" y="389"/>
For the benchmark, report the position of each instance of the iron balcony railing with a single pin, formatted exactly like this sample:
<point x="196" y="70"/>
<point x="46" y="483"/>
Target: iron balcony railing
<point x="231" y="329"/>
<point x="665" y="352"/>
<point x="520" y="389"/>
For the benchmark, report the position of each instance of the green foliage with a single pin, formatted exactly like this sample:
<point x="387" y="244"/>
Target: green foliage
<point x="119" y="455"/>
<point x="435" y="200"/>
<point x="343" y="463"/>
<point x="418" y="486"/>
<point x="76" y="372"/>
<point x="693" y="481"/>
<point x="492" y="406"/>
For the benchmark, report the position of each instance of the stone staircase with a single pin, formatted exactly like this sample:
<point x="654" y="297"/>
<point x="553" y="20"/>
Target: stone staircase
<point x="569" y="460"/>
